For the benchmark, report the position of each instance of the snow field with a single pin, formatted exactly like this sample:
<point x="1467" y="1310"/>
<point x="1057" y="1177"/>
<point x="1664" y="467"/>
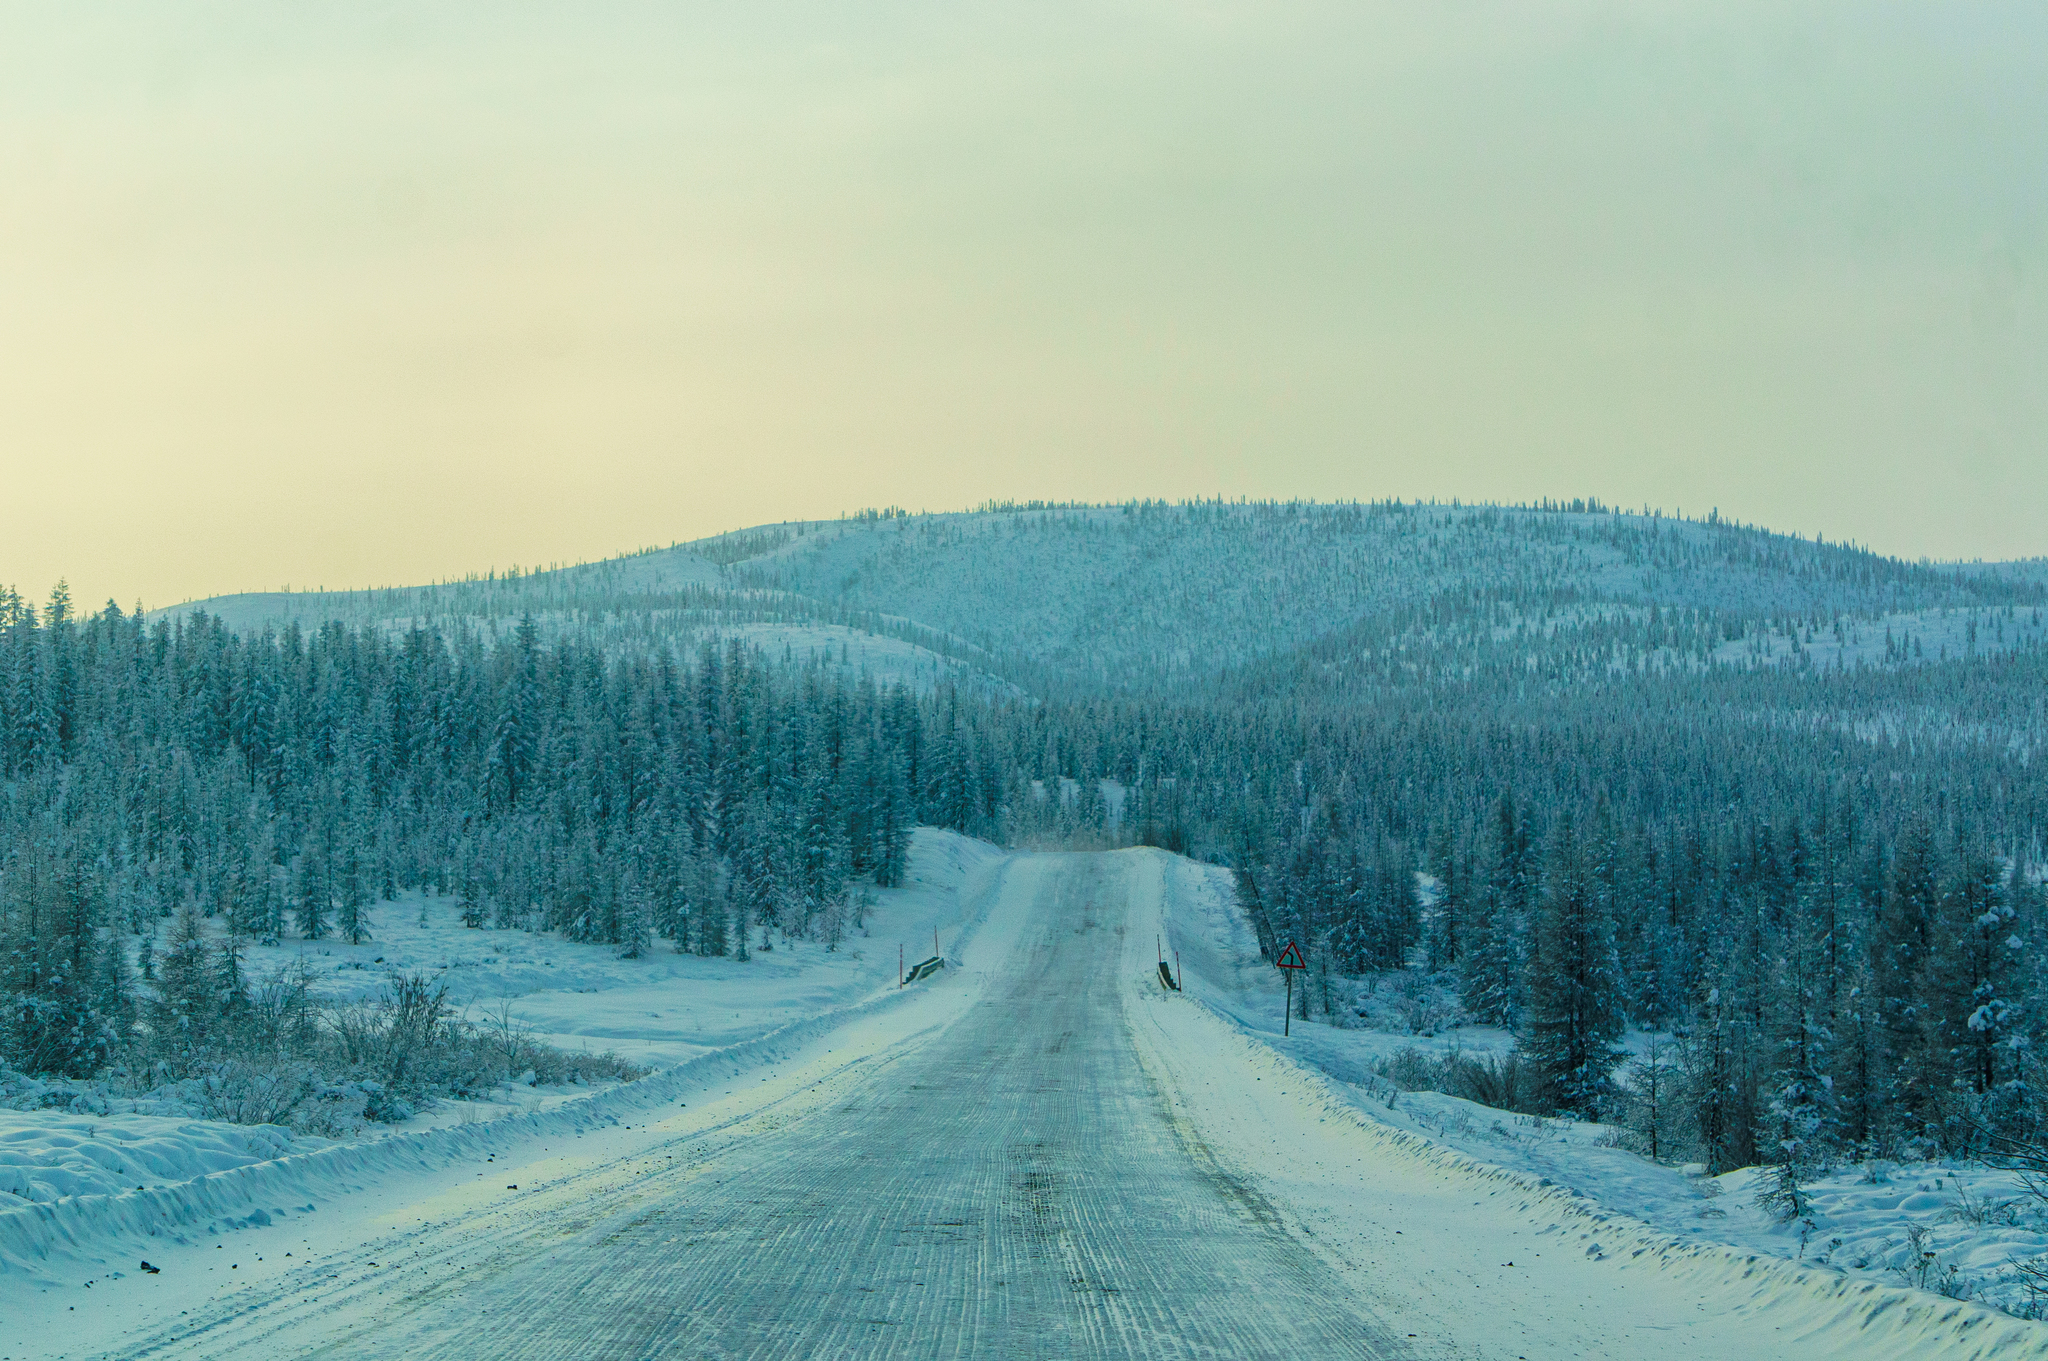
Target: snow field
<point x="1486" y="1261"/>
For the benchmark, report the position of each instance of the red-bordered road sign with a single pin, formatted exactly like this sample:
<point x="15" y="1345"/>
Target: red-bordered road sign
<point x="1290" y="960"/>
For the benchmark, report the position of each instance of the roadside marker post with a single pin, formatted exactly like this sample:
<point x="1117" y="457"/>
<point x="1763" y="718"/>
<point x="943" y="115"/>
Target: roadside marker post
<point x="1290" y="960"/>
<point x="1170" y="976"/>
<point x="899" y="963"/>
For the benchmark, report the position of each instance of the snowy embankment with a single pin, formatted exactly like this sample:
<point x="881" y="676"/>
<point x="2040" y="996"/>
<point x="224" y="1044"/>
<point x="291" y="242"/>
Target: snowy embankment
<point x="1426" y="1199"/>
<point x="46" y="1156"/>
<point x="83" y="1191"/>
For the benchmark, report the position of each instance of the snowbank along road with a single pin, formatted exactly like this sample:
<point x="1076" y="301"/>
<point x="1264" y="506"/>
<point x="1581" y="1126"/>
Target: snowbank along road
<point x="1042" y="1155"/>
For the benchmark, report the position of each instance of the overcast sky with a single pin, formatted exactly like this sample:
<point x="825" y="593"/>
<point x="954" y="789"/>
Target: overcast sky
<point x="329" y="294"/>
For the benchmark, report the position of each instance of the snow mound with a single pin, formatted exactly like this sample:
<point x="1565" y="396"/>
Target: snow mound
<point x="46" y="1156"/>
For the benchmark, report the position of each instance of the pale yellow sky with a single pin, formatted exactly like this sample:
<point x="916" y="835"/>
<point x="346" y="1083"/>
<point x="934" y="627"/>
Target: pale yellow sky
<point x="367" y="293"/>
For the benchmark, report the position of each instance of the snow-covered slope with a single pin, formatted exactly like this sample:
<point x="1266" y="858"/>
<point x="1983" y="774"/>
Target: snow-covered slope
<point x="670" y="571"/>
<point x="663" y="1007"/>
<point x="1151" y="591"/>
<point x="47" y="1156"/>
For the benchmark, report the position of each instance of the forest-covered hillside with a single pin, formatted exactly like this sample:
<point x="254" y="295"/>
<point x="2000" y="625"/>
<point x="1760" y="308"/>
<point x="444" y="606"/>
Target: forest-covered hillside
<point x="1152" y="595"/>
<point x="1575" y="769"/>
<point x="1158" y="597"/>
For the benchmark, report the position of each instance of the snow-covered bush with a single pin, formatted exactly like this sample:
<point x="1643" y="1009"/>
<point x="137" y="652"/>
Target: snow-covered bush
<point x="274" y="1055"/>
<point x="1497" y="1080"/>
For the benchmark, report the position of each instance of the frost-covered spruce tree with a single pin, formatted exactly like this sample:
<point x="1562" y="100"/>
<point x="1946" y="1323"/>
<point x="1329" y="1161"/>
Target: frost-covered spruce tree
<point x="311" y="899"/>
<point x="352" y="900"/>
<point x="187" y="1006"/>
<point x="62" y="972"/>
<point x="1801" y="1121"/>
<point x="891" y="821"/>
<point x="710" y="909"/>
<point x="1800" y="1114"/>
<point x="1493" y="970"/>
<point x="231" y="983"/>
<point x="636" y="920"/>
<point x="1393" y="913"/>
<point x="1091" y="811"/>
<point x="1900" y="946"/>
<point x="469" y="903"/>
<point x="1971" y="994"/>
<point x="949" y="791"/>
<point x="513" y="743"/>
<point x="1716" y="1082"/>
<point x="822" y="852"/>
<point x="1448" y="909"/>
<point x="832" y="917"/>
<point x="1572" y="1021"/>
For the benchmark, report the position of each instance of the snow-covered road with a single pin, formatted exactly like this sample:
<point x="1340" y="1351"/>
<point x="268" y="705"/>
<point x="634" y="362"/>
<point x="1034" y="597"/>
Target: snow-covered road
<point x="1045" y="1155"/>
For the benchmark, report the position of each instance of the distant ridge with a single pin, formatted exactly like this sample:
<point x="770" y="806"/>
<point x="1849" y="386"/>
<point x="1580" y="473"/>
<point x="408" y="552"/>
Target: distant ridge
<point x="1149" y="595"/>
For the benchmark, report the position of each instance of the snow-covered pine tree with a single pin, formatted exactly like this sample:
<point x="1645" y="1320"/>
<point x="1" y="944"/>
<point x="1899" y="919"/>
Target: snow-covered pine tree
<point x="1493" y="970"/>
<point x="1572" y="1023"/>
<point x="636" y="920"/>
<point x="311" y="894"/>
<point x="1900" y="946"/>
<point x="1969" y="993"/>
<point x="352" y="899"/>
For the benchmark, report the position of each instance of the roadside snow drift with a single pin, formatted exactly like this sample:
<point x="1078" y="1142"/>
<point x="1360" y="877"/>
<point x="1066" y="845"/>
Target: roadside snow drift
<point x="1541" y="1268"/>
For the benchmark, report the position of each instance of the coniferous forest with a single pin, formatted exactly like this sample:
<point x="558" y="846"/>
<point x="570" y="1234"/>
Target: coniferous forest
<point x="282" y="786"/>
<point x="1555" y="770"/>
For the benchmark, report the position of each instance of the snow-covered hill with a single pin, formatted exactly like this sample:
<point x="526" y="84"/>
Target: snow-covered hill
<point x="1151" y="596"/>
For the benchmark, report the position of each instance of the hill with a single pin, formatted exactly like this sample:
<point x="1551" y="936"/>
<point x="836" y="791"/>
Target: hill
<point x="1152" y="597"/>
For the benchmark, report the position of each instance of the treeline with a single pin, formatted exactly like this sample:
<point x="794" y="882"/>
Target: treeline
<point x="1833" y="992"/>
<point x="281" y="784"/>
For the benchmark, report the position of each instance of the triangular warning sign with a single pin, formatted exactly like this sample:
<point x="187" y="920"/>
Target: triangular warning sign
<point x="1290" y="958"/>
